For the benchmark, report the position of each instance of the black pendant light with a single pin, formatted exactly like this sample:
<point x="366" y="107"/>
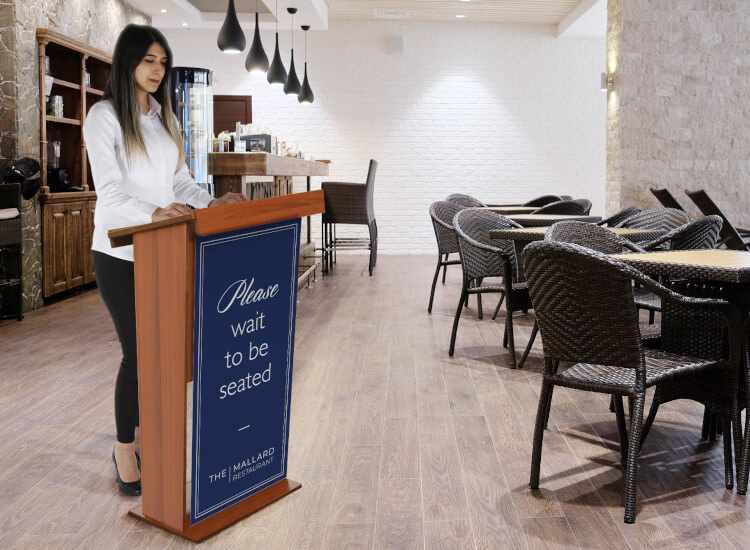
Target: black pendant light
<point x="257" y="60"/>
<point x="306" y="94"/>
<point x="231" y="38"/>
<point x="277" y="72"/>
<point x="292" y="86"/>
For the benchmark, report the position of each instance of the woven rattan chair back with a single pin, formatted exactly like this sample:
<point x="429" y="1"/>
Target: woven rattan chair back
<point x="544" y="200"/>
<point x="658" y="218"/>
<point x="480" y="255"/>
<point x="467" y="201"/>
<point x="442" y="213"/>
<point x="620" y="216"/>
<point x="591" y="236"/>
<point x="575" y="208"/>
<point x="346" y="203"/>
<point x="584" y="305"/>
<point x="698" y="235"/>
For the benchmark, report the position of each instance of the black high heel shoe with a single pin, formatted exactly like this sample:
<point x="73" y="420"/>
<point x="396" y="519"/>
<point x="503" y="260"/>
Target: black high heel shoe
<point x="132" y="488"/>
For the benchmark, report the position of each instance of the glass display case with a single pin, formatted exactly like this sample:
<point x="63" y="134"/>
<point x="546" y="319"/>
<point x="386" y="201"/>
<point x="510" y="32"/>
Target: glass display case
<point x="192" y="101"/>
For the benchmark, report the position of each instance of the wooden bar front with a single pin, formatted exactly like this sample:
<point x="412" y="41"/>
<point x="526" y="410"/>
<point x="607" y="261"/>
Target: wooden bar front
<point x="227" y="169"/>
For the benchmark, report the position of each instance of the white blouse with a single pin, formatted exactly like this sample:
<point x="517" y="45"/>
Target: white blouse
<point x="129" y="195"/>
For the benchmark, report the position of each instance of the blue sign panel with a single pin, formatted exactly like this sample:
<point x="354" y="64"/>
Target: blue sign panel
<point x="243" y="342"/>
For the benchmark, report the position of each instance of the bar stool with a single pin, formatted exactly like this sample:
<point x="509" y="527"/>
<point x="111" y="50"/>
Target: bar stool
<point x="349" y="203"/>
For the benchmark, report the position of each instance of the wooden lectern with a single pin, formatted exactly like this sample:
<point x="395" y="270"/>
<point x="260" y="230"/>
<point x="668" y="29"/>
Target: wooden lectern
<point x="165" y="283"/>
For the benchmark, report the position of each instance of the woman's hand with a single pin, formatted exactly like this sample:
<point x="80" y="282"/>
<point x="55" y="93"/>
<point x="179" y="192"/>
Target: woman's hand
<point x="172" y="211"/>
<point x="228" y="198"/>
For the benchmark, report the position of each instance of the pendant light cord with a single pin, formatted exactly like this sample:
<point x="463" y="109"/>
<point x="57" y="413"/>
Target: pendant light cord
<point x="292" y="32"/>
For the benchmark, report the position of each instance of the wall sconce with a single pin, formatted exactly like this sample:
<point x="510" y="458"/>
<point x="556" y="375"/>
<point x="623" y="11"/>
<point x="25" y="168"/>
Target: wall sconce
<point x="608" y="82"/>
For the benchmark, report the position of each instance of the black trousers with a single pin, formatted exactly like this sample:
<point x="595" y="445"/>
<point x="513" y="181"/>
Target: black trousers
<point x="116" y="282"/>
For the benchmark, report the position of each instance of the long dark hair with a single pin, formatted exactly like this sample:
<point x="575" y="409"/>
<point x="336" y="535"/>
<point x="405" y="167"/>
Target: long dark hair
<point x="132" y="45"/>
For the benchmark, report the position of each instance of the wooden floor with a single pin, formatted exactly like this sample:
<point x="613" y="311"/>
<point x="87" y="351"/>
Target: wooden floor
<point x="396" y="444"/>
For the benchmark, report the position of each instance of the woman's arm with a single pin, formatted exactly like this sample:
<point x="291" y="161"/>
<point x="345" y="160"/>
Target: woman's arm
<point x="100" y="132"/>
<point x="189" y="192"/>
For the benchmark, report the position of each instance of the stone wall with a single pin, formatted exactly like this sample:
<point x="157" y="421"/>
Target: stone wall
<point x="7" y="81"/>
<point x="95" y="22"/>
<point x="679" y="115"/>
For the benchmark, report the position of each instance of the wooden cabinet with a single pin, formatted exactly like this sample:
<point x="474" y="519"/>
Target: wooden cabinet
<point x="79" y="74"/>
<point x="67" y="231"/>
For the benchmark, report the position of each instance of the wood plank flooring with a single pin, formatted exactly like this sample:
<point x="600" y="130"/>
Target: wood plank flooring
<point x="396" y="444"/>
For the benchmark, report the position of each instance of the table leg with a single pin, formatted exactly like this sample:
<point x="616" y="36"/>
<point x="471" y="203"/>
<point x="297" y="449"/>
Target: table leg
<point x="309" y="223"/>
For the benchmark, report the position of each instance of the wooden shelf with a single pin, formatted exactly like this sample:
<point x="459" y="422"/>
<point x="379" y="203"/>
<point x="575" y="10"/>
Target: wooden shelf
<point x="62" y="120"/>
<point x="65" y="84"/>
<point x="68" y="217"/>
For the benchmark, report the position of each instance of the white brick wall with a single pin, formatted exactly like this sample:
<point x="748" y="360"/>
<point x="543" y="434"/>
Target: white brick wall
<point x="500" y="112"/>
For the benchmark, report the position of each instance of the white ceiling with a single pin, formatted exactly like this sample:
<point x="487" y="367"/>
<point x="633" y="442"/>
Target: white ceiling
<point x="574" y="18"/>
<point x="588" y="20"/>
<point x="210" y="13"/>
<point x="548" y="12"/>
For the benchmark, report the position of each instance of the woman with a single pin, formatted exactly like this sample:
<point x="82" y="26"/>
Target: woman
<point x="138" y="163"/>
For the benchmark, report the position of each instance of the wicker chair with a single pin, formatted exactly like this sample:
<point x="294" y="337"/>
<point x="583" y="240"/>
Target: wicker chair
<point x="543" y="200"/>
<point x="620" y="216"/>
<point x="658" y="218"/>
<point x="483" y="257"/>
<point x="605" y="241"/>
<point x="591" y="236"/>
<point x="349" y="203"/>
<point x="604" y="342"/>
<point x="442" y="213"/>
<point x="698" y="235"/>
<point x="467" y="201"/>
<point x="579" y="207"/>
<point x="734" y="238"/>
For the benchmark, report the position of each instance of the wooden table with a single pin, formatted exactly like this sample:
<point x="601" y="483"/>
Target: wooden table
<point x="529" y="234"/>
<point x="537" y="220"/>
<point x="227" y="170"/>
<point x="523" y="236"/>
<point x="505" y="210"/>
<point x="504" y="204"/>
<point x="725" y="266"/>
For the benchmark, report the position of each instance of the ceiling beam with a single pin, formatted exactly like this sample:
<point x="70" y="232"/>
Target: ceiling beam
<point x="574" y="15"/>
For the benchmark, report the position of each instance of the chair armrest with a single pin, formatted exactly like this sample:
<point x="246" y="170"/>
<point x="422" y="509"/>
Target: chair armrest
<point x="655" y="243"/>
<point x="442" y="223"/>
<point x="633" y="246"/>
<point x="732" y="314"/>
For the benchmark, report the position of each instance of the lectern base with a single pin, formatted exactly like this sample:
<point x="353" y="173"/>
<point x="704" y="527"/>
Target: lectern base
<point x="220" y="520"/>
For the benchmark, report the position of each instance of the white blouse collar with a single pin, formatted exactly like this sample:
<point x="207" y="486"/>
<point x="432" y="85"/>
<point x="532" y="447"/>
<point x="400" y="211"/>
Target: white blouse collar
<point x="154" y="108"/>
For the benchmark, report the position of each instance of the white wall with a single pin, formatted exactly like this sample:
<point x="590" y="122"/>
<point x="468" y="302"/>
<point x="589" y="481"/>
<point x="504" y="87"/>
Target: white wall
<point x="503" y="113"/>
